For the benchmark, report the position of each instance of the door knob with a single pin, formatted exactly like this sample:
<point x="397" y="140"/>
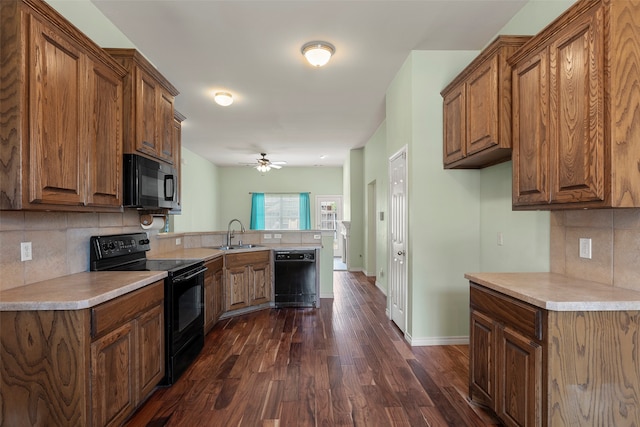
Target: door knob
<point x="400" y="253"/>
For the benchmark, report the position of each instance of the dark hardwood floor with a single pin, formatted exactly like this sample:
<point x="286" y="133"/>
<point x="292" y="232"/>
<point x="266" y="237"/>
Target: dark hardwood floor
<point x="344" y="364"/>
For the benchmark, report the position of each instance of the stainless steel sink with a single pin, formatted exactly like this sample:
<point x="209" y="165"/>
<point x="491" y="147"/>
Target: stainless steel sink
<point x="247" y="246"/>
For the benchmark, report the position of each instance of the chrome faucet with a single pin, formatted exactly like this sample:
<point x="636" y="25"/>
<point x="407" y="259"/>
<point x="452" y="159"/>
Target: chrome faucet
<point x="230" y="232"/>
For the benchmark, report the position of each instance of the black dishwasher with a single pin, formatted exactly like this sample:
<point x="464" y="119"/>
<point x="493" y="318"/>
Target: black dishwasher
<point x="296" y="278"/>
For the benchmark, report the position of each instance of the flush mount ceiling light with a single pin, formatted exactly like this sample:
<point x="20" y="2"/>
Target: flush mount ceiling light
<point x="318" y="53"/>
<point x="223" y="98"/>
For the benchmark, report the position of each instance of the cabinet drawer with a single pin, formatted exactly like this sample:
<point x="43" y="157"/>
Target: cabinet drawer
<point x="246" y="258"/>
<point x="508" y="311"/>
<point x="110" y="314"/>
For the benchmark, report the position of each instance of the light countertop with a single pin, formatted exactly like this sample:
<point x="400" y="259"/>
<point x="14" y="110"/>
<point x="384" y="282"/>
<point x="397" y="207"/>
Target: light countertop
<point x="76" y="291"/>
<point x="88" y="289"/>
<point x="556" y="292"/>
<point x="208" y="254"/>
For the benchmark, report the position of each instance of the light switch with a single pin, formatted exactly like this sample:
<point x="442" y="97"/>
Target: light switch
<point x="585" y="248"/>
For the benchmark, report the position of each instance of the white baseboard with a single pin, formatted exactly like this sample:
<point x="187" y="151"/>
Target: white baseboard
<point x="428" y="341"/>
<point x="327" y="295"/>
<point x="355" y="270"/>
<point x="384" y="291"/>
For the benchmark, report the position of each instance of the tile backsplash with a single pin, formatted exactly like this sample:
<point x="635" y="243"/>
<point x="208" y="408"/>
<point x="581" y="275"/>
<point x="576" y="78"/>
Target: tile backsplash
<point x="60" y="242"/>
<point x="615" y="243"/>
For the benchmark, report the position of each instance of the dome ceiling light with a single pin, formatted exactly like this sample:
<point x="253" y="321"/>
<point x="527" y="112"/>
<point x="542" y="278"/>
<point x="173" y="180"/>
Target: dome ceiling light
<point x="318" y="53"/>
<point x="223" y="98"/>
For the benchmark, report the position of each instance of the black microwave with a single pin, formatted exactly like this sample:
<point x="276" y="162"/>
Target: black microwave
<point x="149" y="184"/>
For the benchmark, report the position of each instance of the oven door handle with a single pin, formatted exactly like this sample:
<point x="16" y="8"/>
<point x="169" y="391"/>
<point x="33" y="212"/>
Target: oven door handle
<point x="183" y="278"/>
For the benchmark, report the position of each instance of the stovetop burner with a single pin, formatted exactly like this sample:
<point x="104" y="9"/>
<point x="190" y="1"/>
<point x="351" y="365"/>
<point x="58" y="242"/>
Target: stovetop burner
<point x="127" y="252"/>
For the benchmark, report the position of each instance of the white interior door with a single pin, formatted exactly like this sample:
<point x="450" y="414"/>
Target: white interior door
<point x="328" y="217"/>
<point x="398" y="235"/>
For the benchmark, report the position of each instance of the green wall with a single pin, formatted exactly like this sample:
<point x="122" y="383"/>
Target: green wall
<point x="375" y="174"/>
<point x="454" y="216"/>
<point x="200" y="190"/>
<point x="237" y="182"/>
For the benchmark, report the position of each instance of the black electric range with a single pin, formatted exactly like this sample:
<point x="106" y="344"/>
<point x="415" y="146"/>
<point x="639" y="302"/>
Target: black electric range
<point x="183" y="293"/>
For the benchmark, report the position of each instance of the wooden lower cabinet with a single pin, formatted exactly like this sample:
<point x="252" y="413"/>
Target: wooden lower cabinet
<point x="537" y="367"/>
<point x="247" y="279"/>
<point x="213" y="292"/>
<point x="82" y="367"/>
<point x="504" y="369"/>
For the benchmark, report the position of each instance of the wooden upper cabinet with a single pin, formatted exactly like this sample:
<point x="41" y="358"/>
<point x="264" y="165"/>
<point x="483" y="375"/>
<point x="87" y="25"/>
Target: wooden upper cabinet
<point x="574" y="110"/>
<point x="148" y="108"/>
<point x="62" y="115"/>
<point x="105" y="137"/>
<point x="477" y="109"/>
<point x="178" y="118"/>
<point x="454" y="112"/>
<point x="56" y="84"/>
<point x="531" y="130"/>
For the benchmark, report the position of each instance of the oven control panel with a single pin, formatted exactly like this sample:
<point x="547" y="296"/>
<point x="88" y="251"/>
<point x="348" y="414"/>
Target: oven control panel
<point x="118" y="244"/>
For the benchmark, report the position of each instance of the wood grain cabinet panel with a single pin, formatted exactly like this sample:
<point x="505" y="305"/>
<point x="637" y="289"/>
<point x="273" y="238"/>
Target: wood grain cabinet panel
<point x="248" y="280"/>
<point x="477" y="109"/>
<point x="90" y="367"/>
<point x="148" y="107"/>
<point x="127" y="353"/>
<point x="454" y="123"/>
<point x="574" y="128"/>
<point x="113" y="382"/>
<point x="213" y="292"/>
<point x="505" y="362"/>
<point x="482" y="356"/>
<point x="582" y="369"/>
<point x="61" y="110"/>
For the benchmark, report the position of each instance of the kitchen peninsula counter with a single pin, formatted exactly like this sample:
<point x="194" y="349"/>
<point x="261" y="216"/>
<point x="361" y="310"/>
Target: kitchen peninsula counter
<point x="557" y="292"/>
<point x="76" y="291"/>
<point x="209" y="253"/>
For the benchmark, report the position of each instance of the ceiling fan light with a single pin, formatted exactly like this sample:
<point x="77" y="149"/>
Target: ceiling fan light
<point x="263" y="168"/>
<point x="318" y="53"/>
<point x="223" y="98"/>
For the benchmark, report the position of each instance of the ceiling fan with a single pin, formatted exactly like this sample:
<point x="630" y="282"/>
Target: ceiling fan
<point x="264" y="164"/>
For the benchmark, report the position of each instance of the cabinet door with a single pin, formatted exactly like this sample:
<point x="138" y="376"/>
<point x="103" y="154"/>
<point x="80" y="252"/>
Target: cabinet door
<point x="177" y="144"/>
<point x="577" y="109"/>
<point x="530" y="154"/>
<point x="104" y="139"/>
<point x="482" y="355"/>
<point x="519" y="400"/>
<point x="57" y="156"/>
<point x="260" y="284"/>
<point x="150" y="326"/>
<point x="454" y="111"/>
<point x="218" y="291"/>
<point x="209" y="298"/>
<point x="237" y="287"/>
<point x="165" y="126"/>
<point x="482" y="111"/>
<point x="113" y="382"/>
<point x="146" y="113"/>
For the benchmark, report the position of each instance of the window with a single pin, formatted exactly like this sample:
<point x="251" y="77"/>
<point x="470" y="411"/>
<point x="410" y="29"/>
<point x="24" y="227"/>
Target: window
<point x="280" y="211"/>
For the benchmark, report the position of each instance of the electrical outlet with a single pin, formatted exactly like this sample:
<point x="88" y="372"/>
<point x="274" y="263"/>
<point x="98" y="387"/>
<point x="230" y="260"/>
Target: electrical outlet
<point x="277" y="236"/>
<point x="585" y="248"/>
<point x="267" y="236"/>
<point x="178" y="240"/>
<point x="500" y="238"/>
<point x="317" y="236"/>
<point x="25" y="251"/>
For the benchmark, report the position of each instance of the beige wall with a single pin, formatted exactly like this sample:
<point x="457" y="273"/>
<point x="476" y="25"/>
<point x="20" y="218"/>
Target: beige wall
<point x="615" y="243"/>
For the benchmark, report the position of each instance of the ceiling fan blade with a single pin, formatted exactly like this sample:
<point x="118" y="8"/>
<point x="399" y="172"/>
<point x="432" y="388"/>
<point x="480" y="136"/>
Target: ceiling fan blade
<point x="278" y="163"/>
<point x="275" y="166"/>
